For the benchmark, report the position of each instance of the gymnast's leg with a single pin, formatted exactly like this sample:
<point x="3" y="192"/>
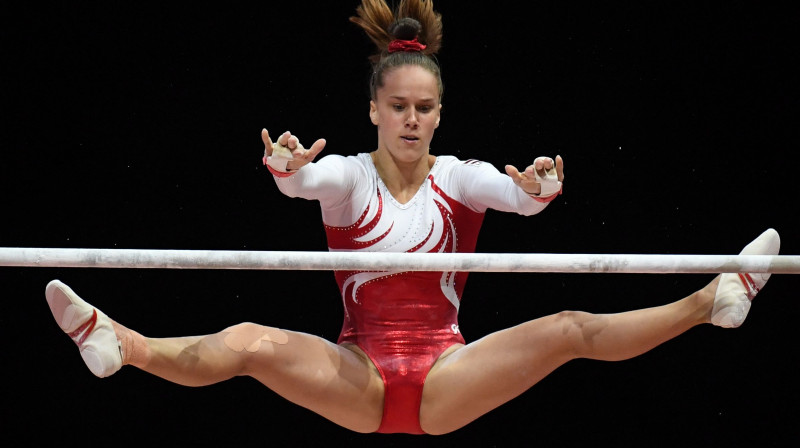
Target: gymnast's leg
<point x="339" y="383"/>
<point x="513" y="360"/>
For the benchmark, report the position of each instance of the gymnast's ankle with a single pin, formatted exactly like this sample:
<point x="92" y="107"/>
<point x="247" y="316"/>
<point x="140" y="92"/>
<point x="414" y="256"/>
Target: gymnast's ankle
<point x="134" y="347"/>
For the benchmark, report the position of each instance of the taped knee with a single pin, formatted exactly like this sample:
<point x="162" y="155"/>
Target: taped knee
<point x="249" y="336"/>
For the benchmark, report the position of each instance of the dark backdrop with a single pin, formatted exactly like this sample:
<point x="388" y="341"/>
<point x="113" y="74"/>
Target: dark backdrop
<point x="128" y="126"/>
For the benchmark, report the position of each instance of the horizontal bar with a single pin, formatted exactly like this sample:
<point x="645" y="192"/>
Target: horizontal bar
<point x="381" y="261"/>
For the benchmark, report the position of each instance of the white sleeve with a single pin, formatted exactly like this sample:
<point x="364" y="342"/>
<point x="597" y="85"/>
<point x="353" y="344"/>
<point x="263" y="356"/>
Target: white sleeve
<point x="329" y="180"/>
<point x="484" y="187"/>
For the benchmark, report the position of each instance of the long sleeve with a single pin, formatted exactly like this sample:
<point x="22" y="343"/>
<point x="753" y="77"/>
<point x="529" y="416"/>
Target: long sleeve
<point x="329" y="180"/>
<point x="482" y="186"/>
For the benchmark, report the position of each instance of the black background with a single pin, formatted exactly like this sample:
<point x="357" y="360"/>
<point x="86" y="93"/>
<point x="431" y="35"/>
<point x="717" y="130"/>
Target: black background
<point x="128" y="126"/>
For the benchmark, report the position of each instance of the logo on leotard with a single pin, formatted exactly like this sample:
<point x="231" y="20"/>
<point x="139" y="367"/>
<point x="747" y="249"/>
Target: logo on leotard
<point x="454" y="327"/>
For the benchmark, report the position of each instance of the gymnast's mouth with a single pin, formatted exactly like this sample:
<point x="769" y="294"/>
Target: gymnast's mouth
<point x="409" y="138"/>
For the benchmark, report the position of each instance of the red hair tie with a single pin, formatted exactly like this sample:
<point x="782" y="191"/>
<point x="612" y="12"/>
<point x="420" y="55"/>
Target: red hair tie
<point x="405" y="45"/>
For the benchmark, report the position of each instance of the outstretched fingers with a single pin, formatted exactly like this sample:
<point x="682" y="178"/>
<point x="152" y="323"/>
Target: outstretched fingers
<point x="267" y="142"/>
<point x="311" y="153"/>
<point x="286" y="144"/>
<point x="530" y="179"/>
<point x="560" y="168"/>
<point x="542" y="165"/>
<point x="525" y="180"/>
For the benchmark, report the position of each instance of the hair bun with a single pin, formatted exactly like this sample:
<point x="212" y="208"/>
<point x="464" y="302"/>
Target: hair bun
<point x="405" y="28"/>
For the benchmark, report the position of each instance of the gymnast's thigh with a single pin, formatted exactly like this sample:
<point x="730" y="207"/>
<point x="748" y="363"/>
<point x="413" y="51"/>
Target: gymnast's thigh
<point x="471" y="380"/>
<point x="338" y="382"/>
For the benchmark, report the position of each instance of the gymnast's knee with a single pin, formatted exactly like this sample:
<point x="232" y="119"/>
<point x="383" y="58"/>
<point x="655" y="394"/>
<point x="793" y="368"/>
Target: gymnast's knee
<point x="252" y="338"/>
<point x="579" y="329"/>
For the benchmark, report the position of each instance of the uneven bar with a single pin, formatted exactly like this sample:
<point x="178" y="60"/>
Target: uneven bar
<point x="380" y="261"/>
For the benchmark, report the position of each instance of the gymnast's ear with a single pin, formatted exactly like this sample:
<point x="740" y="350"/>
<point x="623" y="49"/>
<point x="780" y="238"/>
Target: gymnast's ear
<point x="373" y="112"/>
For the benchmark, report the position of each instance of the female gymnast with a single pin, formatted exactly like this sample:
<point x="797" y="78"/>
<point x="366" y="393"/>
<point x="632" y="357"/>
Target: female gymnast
<point x="401" y="364"/>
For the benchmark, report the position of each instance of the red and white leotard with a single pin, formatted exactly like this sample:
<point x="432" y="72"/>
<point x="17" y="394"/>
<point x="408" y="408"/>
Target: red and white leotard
<point x="403" y="320"/>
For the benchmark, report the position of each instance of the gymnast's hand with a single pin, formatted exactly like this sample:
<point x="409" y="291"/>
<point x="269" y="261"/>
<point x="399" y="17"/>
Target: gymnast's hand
<point x="542" y="178"/>
<point x="287" y="154"/>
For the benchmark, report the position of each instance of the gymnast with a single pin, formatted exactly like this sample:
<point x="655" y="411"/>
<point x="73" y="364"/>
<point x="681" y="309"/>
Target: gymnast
<point x="401" y="364"/>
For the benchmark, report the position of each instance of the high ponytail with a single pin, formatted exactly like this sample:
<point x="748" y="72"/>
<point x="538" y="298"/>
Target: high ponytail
<point x="409" y="35"/>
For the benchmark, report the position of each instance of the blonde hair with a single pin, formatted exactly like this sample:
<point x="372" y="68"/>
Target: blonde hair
<point x="411" y="19"/>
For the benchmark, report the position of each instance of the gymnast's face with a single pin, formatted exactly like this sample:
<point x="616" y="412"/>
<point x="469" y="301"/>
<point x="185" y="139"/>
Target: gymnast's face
<point x="406" y="111"/>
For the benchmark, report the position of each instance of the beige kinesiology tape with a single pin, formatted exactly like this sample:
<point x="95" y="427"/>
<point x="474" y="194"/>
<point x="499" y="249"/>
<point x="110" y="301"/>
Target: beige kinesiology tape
<point x="249" y="336"/>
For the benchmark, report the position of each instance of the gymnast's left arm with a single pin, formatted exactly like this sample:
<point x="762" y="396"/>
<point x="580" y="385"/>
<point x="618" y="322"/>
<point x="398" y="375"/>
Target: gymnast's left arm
<point x="483" y="186"/>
